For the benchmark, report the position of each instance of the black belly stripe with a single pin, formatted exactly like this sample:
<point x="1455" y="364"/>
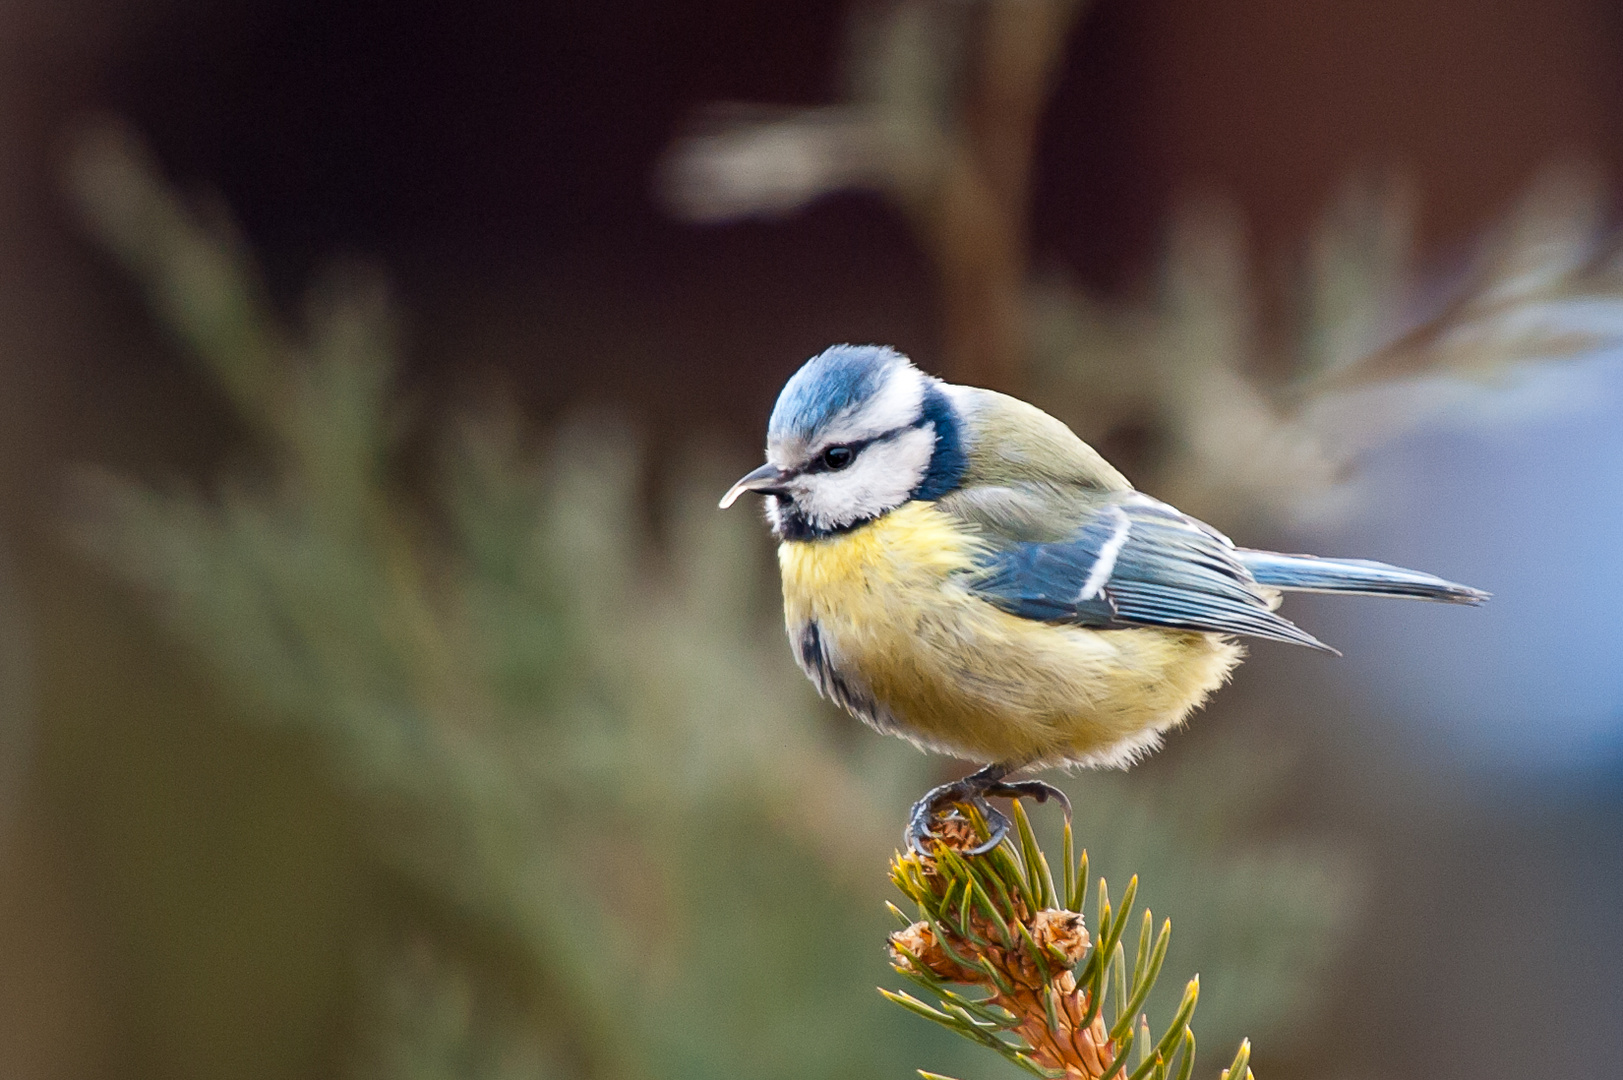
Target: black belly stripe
<point x="821" y="670"/>
<point x="810" y="646"/>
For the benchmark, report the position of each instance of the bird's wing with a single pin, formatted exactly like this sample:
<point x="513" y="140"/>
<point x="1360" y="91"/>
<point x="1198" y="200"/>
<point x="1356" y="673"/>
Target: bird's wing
<point x="1070" y="541"/>
<point x="1132" y="561"/>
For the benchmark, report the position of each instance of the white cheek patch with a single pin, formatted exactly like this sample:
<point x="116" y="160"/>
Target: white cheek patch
<point x="881" y="478"/>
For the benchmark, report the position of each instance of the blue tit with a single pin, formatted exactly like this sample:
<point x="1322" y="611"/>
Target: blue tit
<point x="961" y="570"/>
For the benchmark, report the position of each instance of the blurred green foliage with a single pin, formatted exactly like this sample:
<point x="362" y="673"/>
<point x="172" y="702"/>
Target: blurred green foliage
<point x="618" y="835"/>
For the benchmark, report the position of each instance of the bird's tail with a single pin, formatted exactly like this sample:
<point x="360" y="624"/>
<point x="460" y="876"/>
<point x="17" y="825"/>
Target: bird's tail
<point x="1307" y="573"/>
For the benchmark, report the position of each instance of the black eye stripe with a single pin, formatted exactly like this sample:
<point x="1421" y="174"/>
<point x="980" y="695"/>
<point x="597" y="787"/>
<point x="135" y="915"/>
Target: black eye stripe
<point x="822" y="462"/>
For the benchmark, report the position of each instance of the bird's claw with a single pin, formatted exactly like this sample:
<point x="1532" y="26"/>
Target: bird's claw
<point x="942" y="800"/>
<point x="1039" y="791"/>
<point x="972" y="791"/>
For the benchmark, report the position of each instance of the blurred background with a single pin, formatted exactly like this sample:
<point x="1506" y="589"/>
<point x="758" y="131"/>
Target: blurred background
<point x="381" y="694"/>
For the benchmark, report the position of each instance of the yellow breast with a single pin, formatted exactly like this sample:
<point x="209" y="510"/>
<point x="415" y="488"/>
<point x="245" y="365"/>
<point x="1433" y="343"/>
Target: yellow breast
<point x="911" y="649"/>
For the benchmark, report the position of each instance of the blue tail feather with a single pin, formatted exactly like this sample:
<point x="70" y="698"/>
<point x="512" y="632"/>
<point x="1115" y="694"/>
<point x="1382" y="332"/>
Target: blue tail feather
<point x="1308" y="573"/>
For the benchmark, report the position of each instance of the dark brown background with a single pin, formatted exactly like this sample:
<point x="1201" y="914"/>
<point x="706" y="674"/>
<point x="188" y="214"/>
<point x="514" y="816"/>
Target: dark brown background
<point x="496" y="156"/>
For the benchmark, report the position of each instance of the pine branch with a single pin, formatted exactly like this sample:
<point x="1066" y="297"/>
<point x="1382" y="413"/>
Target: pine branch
<point x="1042" y="988"/>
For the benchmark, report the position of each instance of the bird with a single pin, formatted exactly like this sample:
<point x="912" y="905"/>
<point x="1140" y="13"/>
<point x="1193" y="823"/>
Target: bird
<point x="961" y="570"/>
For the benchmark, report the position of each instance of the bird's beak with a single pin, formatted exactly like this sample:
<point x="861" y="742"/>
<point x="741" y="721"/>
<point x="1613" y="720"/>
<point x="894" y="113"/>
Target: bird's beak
<point x="765" y="480"/>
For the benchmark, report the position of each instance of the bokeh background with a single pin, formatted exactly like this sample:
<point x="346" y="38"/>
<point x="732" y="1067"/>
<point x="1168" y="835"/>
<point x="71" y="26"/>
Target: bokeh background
<point x="383" y="696"/>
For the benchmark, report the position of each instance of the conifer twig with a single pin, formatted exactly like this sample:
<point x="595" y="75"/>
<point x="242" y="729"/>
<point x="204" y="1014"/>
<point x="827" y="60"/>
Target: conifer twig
<point x="1042" y="987"/>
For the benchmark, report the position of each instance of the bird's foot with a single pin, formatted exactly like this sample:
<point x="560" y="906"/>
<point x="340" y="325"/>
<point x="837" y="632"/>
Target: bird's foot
<point x="940" y="801"/>
<point x="1039" y="791"/>
<point x="972" y="791"/>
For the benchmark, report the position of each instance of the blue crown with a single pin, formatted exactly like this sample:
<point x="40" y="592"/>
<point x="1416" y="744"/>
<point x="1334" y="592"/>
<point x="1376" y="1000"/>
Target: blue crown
<point x="834" y="382"/>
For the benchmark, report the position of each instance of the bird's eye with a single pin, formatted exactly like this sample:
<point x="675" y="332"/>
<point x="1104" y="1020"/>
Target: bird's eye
<point x="838" y="457"/>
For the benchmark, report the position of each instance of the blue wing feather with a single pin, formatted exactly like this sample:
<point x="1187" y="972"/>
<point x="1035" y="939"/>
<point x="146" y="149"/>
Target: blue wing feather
<point x="1136" y="562"/>
<point x="1308" y="573"/>
<point x="1045" y="581"/>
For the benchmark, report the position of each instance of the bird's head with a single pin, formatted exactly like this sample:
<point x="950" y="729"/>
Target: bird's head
<point x="856" y="432"/>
